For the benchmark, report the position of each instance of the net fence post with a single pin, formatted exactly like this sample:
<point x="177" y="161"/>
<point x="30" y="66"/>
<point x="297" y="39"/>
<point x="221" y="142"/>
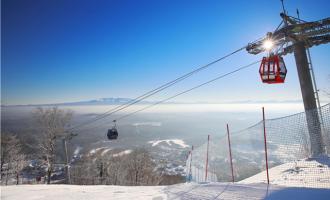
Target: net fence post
<point x="191" y="154"/>
<point x="197" y="168"/>
<point x="230" y="156"/>
<point x="265" y="141"/>
<point x="207" y="156"/>
<point x="187" y="166"/>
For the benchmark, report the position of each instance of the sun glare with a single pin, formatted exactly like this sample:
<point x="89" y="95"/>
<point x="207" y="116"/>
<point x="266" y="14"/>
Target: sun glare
<point x="268" y="44"/>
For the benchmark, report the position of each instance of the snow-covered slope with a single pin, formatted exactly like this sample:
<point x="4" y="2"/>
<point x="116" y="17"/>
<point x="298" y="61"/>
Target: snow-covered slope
<point x="170" y="142"/>
<point x="75" y="192"/>
<point x="180" y="191"/>
<point x="313" y="173"/>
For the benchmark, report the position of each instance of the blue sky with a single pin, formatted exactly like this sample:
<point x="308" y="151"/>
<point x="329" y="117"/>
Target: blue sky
<point x="71" y="50"/>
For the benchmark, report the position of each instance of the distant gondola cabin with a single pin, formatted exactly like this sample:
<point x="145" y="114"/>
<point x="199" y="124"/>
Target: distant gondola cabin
<point x="272" y="69"/>
<point x="112" y="134"/>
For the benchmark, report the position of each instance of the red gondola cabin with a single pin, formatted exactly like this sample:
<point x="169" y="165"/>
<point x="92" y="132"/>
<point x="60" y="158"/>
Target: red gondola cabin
<point x="272" y="69"/>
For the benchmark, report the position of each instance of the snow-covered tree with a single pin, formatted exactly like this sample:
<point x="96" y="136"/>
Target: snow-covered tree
<point x="141" y="169"/>
<point x="13" y="156"/>
<point x="4" y="152"/>
<point x="135" y="168"/>
<point x="52" y="123"/>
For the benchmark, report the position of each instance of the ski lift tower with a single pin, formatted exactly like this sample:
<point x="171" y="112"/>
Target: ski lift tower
<point x="296" y="36"/>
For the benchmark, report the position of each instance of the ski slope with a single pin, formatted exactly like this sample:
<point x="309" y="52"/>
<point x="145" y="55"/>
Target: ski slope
<point x="191" y="191"/>
<point x="303" y="179"/>
<point x="313" y="173"/>
<point x="178" y="142"/>
<point x="75" y="192"/>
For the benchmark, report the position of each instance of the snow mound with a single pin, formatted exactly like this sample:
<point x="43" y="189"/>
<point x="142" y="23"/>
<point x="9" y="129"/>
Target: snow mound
<point x="179" y="142"/>
<point x="313" y="173"/>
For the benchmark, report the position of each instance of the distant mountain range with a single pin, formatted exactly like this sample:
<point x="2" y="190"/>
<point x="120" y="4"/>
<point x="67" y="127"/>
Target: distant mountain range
<point x="120" y="101"/>
<point x="101" y="101"/>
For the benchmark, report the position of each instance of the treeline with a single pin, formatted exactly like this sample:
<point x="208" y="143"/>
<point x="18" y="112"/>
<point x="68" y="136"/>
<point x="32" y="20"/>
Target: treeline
<point x="13" y="159"/>
<point x="51" y="125"/>
<point x="135" y="168"/>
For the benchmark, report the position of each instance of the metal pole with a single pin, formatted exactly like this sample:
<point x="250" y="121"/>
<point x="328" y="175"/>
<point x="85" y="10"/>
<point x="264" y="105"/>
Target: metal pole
<point x="265" y="142"/>
<point x="307" y="91"/>
<point x="197" y="174"/>
<point x="316" y="91"/>
<point x="230" y="156"/>
<point x="207" y="157"/>
<point x="283" y="8"/>
<point x="67" y="170"/>
<point x="315" y="86"/>
<point x="191" y="154"/>
<point x="187" y="167"/>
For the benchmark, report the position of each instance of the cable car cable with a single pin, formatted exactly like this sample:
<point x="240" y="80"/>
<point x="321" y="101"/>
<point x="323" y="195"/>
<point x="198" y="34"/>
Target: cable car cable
<point x="155" y="91"/>
<point x="184" y="92"/>
<point x="188" y="90"/>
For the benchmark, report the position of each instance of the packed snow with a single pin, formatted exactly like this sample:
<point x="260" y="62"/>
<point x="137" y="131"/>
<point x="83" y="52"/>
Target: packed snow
<point x="93" y="151"/>
<point x="179" y="142"/>
<point x="122" y="153"/>
<point x="77" y="150"/>
<point x="75" y="192"/>
<point x="314" y="173"/>
<point x="190" y="191"/>
<point x="105" y="151"/>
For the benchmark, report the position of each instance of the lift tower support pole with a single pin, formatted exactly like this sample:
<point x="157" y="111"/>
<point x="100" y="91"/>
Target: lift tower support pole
<point x="294" y="36"/>
<point x="307" y="91"/>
